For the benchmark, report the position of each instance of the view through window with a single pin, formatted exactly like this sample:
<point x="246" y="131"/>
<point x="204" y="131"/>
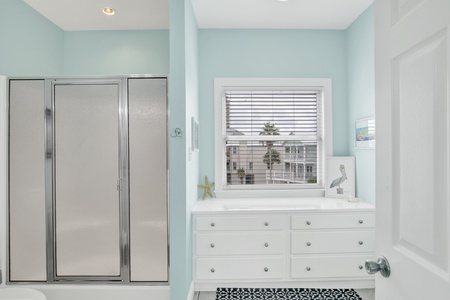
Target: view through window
<point x="273" y="136"/>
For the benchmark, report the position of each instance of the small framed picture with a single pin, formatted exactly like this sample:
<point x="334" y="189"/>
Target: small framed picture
<point x="365" y="133"/>
<point x="194" y="142"/>
<point x="340" y="177"/>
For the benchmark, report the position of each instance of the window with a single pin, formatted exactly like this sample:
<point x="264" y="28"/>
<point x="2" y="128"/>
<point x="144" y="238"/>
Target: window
<point x="281" y="127"/>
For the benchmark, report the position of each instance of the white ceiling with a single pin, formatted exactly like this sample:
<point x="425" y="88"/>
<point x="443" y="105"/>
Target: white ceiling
<point x="292" y="14"/>
<point x="154" y="14"/>
<point x="87" y="14"/>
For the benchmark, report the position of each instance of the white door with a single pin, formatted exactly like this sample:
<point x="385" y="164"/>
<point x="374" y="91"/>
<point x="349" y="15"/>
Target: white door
<point x="412" y="110"/>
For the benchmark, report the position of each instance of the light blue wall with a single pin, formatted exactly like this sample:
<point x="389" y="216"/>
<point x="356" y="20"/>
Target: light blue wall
<point x="183" y="95"/>
<point x="29" y="43"/>
<point x="192" y="110"/>
<point x="177" y="154"/>
<point x="116" y="52"/>
<point x="271" y="53"/>
<point x="361" y="93"/>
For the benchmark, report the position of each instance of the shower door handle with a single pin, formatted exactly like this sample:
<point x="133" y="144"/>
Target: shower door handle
<point x="119" y="185"/>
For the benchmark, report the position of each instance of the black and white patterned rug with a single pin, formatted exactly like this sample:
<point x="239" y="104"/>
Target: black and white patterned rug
<point x="286" y="294"/>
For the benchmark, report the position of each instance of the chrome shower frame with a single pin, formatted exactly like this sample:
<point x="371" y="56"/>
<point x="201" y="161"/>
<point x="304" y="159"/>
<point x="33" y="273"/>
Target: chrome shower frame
<point x="123" y="182"/>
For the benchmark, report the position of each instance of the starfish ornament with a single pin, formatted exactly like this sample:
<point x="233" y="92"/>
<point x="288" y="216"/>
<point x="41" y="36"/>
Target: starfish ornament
<point x="207" y="188"/>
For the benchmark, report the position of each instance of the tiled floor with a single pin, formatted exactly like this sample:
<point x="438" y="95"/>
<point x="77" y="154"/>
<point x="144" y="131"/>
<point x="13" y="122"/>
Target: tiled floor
<point x="366" y="294"/>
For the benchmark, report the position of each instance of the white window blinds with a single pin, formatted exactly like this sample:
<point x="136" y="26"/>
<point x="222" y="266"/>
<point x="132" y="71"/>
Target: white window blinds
<point x="277" y="132"/>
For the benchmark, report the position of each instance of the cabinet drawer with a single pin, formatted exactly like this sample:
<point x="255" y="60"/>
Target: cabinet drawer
<point x="328" y="267"/>
<point x="303" y="242"/>
<point x="319" y="221"/>
<point x="217" y="223"/>
<point x="239" y="268"/>
<point x="240" y="243"/>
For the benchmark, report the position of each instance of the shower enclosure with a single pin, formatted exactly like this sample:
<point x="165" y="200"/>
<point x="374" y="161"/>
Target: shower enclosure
<point x="88" y="180"/>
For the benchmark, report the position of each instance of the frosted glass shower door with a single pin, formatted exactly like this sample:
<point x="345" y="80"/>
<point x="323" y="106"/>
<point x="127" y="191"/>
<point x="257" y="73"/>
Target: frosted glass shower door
<point x="27" y="245"/>
<point x="148" y="179"/>
<point x="86" y="197"/>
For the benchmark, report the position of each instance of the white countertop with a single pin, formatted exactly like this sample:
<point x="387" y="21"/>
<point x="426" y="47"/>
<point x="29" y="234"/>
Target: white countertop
<point x="274" y="205"/>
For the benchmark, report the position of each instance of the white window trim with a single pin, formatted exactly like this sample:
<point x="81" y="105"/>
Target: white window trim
<point x="323" y="84"/>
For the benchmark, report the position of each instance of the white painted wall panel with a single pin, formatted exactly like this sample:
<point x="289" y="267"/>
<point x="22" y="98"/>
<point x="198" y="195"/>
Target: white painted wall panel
<point x="421" y="159"/>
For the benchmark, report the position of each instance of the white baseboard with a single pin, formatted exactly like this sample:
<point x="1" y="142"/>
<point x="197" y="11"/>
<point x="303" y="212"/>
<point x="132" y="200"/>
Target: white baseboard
<point x="191" y="292"/>
<point x="349" y="284"/>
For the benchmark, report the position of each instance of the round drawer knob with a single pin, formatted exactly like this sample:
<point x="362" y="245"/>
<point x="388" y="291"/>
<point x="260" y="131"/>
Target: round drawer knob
<point x="361" y="221"/>
<point x="213" y="270"/>
<point x="266" y="224"/>
<point x="308" y="244"/>
<point x="266" y="269"/>
<point x="308" y="223"/>
<point x="361" y="267"/>
<point x="212" y="224"/>
<point x="212" y="245"/>
<point x="308" y="269"/>
<point x="266" y="245"/>
<point x="361" y="242"/>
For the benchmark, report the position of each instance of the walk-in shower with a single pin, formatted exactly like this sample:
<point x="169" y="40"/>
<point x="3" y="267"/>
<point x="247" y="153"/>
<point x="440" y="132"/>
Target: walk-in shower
<point x="88" y="184"/>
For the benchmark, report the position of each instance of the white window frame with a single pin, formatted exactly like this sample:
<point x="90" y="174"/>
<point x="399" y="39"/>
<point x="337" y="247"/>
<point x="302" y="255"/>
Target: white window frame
<point x="222" y="84"/>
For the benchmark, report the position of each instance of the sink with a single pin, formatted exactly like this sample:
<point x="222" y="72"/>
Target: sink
<point x="271" y="207"/>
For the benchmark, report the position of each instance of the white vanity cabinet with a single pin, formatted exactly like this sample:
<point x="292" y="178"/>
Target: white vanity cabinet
<point x="311" y="242"/>
<point x="235" y="246"/>
<point x="331" y="245"/>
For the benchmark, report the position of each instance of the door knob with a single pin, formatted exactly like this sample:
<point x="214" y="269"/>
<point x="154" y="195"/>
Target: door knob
<point x="381" y="265"/>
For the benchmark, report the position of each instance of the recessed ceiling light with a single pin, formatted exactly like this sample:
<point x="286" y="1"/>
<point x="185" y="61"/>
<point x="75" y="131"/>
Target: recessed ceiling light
<point x="108" y="11"/>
